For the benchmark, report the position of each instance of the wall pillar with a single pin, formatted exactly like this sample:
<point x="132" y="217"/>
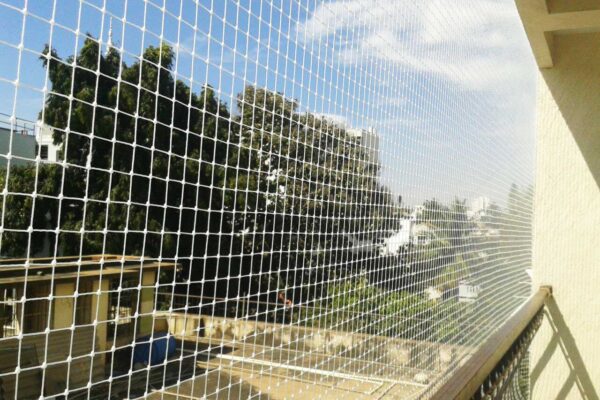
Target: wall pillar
<point x="63" y="305"/>
<point x="145" y="324"/>
<point x="99" y="311"/>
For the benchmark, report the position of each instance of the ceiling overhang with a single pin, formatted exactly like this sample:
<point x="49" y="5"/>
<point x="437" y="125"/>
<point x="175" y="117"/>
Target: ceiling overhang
<point x="544" y="19"/>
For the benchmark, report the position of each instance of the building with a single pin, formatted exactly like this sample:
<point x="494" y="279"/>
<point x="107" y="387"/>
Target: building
<point x="45" y="142"/>
<point x="26" y="140"/>
<point x="478" y="208"/>
<point x="89" y="305"/>
<point x="19" y="140"/>
<point x="482" y="230"/>
<point x="467" y="291"/>
<point x="409" y="232"/>
<point x="392" y="244"/>
<point x="422" y="233"/>
<point x="417" y="211"/>
<point x="360" y="246"/>
<point x="565" y="37"/>
<point x="369" y="139"/>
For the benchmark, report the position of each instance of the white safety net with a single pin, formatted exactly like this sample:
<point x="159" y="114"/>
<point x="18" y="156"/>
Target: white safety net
<point x="282" y="199"/>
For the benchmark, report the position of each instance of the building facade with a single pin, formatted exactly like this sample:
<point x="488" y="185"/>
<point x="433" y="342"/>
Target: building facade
<point x="75" y="307"/>
<point x="19" y="143"/>
<point x="24" y="141"/>
<point x="369" y="139"/>
<point x="565" y="38"/>
<point x="45" y="142"/>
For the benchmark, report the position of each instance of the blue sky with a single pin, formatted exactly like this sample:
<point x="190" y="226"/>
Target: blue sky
<point x="448" y="86"/>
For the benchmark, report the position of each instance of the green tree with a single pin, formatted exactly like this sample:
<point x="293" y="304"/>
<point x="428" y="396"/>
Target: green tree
<point x="31" y="202"/>
<point x="150" y="167"/>
<point x="302" y="182"/>
<point x="142" y="155"/>
<point x="354" y="304"/>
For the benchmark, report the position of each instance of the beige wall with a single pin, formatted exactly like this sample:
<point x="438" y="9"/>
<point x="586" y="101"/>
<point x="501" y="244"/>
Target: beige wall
<point x="566" y="352"/>
<point x="557" y="6"/>
<point x="147" y="303"/>
<point x="100" y="312"/>
<point x="63" y="305"/>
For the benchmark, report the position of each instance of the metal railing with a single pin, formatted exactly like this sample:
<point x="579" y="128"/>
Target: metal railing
<point x="487" y="373"/>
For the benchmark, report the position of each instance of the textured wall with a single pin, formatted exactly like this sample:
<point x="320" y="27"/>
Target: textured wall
<point x="566" y="353"/>
<point x="22" y="146"/>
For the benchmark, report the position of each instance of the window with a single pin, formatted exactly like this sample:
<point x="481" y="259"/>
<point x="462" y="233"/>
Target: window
<point x="8" y="312"/>
<point x="122" y="307"/>
<point x="42" y="151"/>
<point x="83" y="314"/>
<point x="36" y="312"/>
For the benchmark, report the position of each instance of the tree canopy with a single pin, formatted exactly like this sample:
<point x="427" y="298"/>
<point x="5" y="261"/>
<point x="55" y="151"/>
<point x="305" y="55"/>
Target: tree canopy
<point x="150" y="167"/>
<point x="257" y="197"/>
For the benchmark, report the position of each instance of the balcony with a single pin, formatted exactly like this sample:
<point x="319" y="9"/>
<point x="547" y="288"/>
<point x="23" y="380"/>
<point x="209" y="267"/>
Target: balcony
<point x="272" y="199"/>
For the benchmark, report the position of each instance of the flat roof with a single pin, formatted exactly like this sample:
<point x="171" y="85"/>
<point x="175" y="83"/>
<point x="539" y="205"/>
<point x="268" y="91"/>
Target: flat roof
<point x="13" y="271"/>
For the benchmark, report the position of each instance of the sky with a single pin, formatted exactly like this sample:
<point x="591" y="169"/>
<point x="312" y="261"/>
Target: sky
<point x="449" y="86"/>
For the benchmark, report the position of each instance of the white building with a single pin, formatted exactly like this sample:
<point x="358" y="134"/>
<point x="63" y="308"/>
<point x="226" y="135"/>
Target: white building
<point x="360" y="246"/>
<point x="468" y="292"/>
<point x="45" y="146"/>
<point x="369" y="139"/>
<point x="391" y="245"/>
<point x="26" y="142"/>
<point x="421" y="234"/>
<point x="416" y="212"/>
<point x="478" y="208"/>
<point x="409" y="232"/>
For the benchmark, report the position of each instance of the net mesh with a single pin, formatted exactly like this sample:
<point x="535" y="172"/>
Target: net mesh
<point x="259" y="199"/>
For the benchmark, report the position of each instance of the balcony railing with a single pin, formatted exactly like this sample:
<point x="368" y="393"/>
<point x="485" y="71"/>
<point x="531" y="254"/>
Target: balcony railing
<point x="312" y="198"/>
<point x="490" y="371"/>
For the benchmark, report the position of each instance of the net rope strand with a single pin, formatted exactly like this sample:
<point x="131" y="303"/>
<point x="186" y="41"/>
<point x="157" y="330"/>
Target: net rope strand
<point x="245" y="199"/>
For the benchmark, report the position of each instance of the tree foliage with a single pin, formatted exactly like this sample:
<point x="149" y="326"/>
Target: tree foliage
<point x="256" y="197"/>
<point x="150" y="167"/>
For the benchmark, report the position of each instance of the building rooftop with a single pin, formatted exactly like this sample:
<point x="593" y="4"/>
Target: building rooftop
<point x="19" y="270"/>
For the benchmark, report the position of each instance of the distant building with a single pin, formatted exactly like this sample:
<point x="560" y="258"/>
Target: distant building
<point x="360" y="246"/>
<point x="422" y="234"/>
<point x="409" y="232"/>
<point x="467" y="291"/>
<point x="416" y="212"/>
<point x="369" y="139"/>
<point x="391" y="245"/>
<point x="45" y="143"/>
<point x="26" y="140"/>
<point x="482" y="230"/>
<point x="19" y="141"/>
<point x="478" y="208"/>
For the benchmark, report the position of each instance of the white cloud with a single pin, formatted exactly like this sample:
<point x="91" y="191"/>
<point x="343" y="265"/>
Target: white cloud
<point x="454" y="86"/>
<point x="473" y="43"/>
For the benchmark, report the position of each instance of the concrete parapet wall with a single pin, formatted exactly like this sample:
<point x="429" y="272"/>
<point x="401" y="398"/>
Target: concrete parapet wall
<point x="398" y="353"/>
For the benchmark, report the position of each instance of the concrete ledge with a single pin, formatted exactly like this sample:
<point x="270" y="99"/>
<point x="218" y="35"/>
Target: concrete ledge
<point x="394" y="356"/>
